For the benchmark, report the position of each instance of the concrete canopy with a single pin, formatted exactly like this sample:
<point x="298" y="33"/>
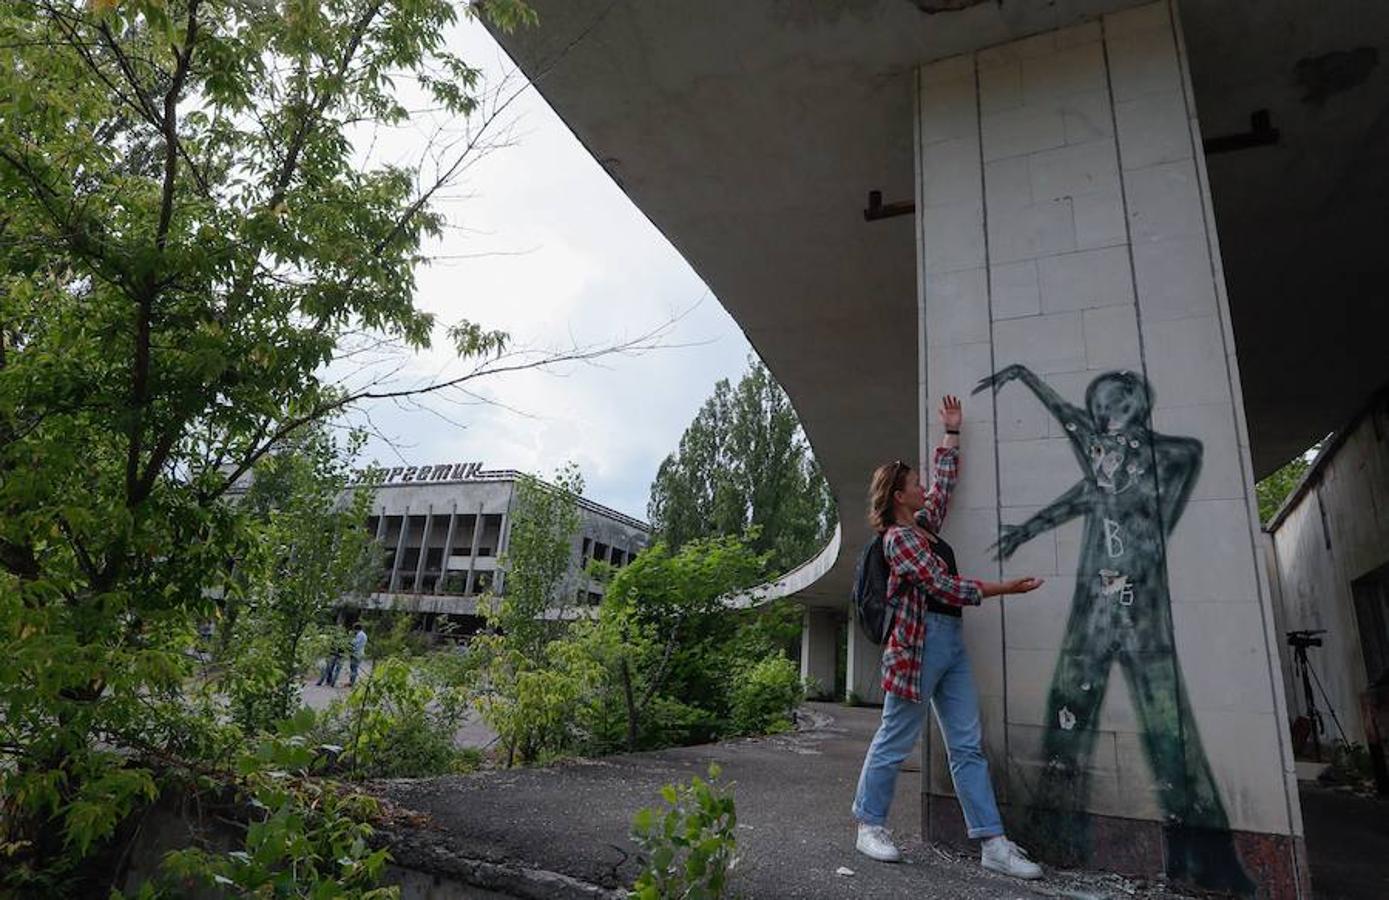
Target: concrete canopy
<point x="751" y="132"/>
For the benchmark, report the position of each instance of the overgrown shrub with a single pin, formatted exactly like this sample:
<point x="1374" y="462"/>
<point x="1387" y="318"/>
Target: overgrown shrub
<point x="690" y="849"/>
<point x="537" y="711"/>
<point x="765" y="695"/>
<point x="397" y="723"/>
<point x="308" y="836"/>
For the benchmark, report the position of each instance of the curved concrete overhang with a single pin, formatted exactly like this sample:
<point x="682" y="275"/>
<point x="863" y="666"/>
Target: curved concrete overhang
<point x="795" y="582"/>
<point x="750" y="133"/>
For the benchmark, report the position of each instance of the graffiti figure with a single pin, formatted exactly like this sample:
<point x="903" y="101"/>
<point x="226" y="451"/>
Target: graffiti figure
<point x="1134" y="487"/>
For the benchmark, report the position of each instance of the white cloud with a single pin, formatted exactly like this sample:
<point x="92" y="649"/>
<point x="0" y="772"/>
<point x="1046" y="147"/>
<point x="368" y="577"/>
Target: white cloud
<point x="547" y="248"/>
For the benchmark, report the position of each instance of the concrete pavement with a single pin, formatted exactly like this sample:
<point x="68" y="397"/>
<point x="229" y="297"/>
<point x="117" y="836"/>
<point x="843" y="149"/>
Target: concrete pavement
<point x="795" y="831"/>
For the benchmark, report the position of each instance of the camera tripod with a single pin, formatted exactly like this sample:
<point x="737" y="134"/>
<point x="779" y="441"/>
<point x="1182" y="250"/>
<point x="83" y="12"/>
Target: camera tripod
<point x="1302" y="667"/>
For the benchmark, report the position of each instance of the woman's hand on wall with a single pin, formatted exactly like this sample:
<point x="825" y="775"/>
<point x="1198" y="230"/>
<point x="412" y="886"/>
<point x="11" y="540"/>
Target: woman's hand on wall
<point x="951" y="413"/>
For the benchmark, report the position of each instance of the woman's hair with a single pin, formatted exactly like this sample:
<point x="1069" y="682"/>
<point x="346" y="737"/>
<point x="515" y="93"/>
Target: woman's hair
<point x="887" y="480"/>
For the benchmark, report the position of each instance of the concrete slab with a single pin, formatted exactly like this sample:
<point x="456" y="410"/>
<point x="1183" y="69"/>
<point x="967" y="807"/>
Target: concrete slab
<point x="795" y="831"/>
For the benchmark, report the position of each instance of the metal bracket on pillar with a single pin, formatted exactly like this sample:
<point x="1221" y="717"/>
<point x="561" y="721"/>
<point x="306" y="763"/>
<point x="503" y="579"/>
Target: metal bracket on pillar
<point x="1261" y="133"/>
<point x="877" y="209"/>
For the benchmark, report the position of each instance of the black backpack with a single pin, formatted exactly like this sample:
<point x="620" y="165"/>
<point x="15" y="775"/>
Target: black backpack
<point x="872" y="607"/>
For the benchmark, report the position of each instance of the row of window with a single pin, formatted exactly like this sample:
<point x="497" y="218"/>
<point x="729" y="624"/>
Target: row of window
<point x="604" y="553"/>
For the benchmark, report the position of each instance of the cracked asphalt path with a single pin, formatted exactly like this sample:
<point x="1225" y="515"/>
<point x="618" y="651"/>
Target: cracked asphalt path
<point x="795" y="830"/>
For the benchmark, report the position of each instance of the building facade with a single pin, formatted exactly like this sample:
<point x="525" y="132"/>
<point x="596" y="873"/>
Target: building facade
<point x="1328" y="558"/>
<point x="444" y="530"/>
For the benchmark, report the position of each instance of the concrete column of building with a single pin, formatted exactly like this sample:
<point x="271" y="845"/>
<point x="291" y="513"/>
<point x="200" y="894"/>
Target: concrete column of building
<point x="448" y="548"/>
<point x="819" y="648"/>
<point x="394" y="584"/>
<point x="380" y="535"/>
<point x="472" y="555"/>
<point x="503" y="539"/>
<point x="1070" y="273"/>
<point x="863" y="680"/>
<point x="424" y="548"/>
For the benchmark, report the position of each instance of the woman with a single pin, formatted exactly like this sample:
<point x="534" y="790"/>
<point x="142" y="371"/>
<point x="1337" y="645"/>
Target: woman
<point x="924" y="658"/>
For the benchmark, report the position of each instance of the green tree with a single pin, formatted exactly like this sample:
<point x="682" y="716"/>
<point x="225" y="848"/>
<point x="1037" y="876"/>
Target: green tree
<point x="536" y="680"/>
<point x="539" y="554"/>
<point x="667" y="631"/>
<point x="1278" y="484"/>
<point x="307" y="552"/>
<point x="186" y="235"/>
<point x="744" y="467"/>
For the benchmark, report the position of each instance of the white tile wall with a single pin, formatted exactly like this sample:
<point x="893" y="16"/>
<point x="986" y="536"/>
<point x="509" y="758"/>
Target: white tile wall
<point x="1026" y="129"/>
<point x="1087" y="117"/>
<point x="948" y="107"/>
<point x="1111" y="338"/>
<point x="1099" y="219"/>
<point x="950" y="173"/>
<point x="1222" y="655"/>
<point x="1037" y="621"/>
<point x="1074" y="70"/>
<point x="1164" y="202"/>
<point x="1209" y="556"/>
<point x="1222" y="477"/>
<point x="1034" y="473"/>
<point x="1187" y="362"/>
<point x="1032" y="231"/>
<point x="1152" y="129"/>
<point x="1074" y="169"/>
<point x="1015" y="290"/>
<point x="1086" y="279"/>
<point x="1079" y="161"/>
<point x="950" y="238"/>
<point x="957" y="308"/>
<point x="1047" y="343"/>
<point x="1174" y="279"/>
<point x="1020" y="417"/>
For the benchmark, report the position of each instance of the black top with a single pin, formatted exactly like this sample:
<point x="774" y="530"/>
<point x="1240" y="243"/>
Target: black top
<point x="947" y="556"/>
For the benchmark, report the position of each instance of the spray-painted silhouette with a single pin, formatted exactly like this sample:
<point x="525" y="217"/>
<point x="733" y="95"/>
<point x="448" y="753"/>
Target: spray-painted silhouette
<point x="1134" y="488"/>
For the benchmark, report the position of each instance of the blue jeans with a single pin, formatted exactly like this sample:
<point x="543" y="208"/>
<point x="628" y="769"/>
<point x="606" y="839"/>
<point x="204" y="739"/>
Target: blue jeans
<point x="946" y="680"/>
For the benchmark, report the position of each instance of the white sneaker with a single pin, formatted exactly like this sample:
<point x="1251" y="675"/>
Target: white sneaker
<point x="874" y="842"/>
<point x="1007" y="858"/>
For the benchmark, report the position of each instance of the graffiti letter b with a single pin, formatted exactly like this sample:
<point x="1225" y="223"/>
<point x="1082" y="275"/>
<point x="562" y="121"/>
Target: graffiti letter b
<point x="1113" y="539"/>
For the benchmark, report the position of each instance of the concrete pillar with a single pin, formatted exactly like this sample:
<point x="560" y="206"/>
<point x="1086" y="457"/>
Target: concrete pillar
<point x="863" y="680"/>
<point x="1069" y="269"/>
<point x="394" y="583"/>
<point x="448" y="548"/>
<point x="380" y="534"/>
<point x="472" y="554"/>
<point x="819" y="648"/>
<point x="503" y="541"/>
<point x="424" y="548"/>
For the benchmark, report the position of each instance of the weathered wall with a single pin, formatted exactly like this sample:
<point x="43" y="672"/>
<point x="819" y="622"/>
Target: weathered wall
<point x="1335" y="532"/>
<point x="1069" y="272"/>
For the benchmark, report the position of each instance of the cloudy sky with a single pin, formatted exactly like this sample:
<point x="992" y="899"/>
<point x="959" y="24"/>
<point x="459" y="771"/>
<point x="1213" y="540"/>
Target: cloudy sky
<point x="544" y="246"/>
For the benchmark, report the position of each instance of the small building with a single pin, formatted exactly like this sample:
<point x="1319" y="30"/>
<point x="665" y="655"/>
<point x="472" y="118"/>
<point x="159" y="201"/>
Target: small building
<point x="1328" y="556"/>
<point x="445" y="527"/>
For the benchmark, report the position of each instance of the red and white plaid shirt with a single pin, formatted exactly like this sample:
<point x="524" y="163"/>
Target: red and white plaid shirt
<point x="916" y="572"/>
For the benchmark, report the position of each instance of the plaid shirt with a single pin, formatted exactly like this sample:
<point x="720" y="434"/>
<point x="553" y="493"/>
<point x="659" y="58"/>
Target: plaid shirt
<point x="915" y="571"/>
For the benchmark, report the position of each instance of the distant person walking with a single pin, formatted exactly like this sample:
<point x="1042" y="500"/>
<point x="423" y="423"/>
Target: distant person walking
<point x="337" y="646"/>
<point x="925" y="660"/>
<point x="359" y="647"/>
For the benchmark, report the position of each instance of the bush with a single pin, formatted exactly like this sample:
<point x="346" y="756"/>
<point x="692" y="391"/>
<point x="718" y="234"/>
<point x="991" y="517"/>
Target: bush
<point x="536" y="711"/>
<point x="307" y="838"/>
<point x="395" y="723"/>
<point x="765" y="696"/>
<point x="691" y="849"/>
